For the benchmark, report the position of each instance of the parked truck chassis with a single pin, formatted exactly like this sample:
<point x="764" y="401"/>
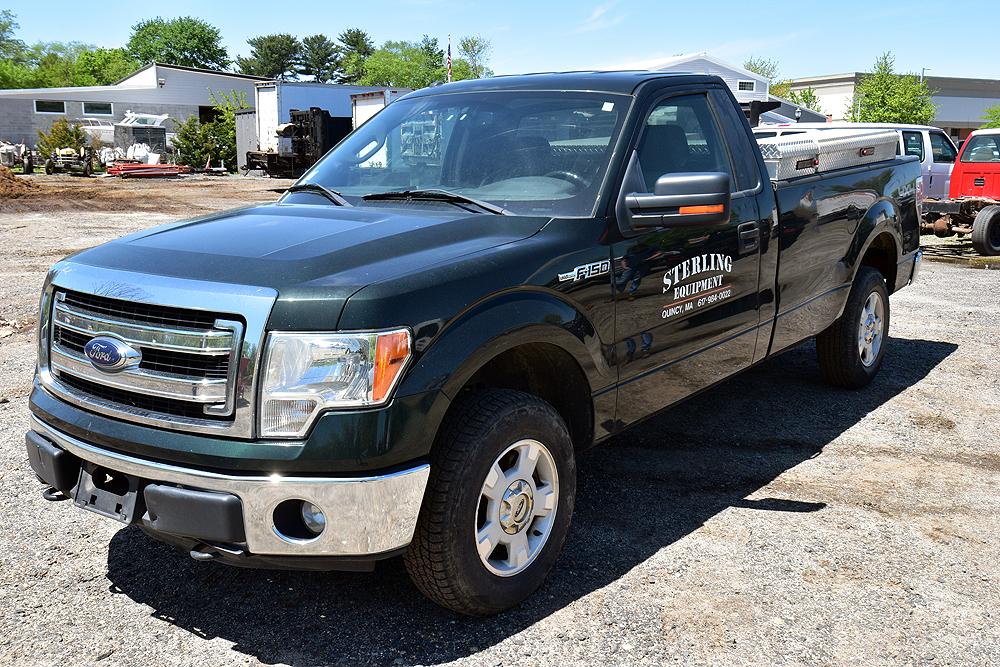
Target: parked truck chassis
<point x="975" y="216"/>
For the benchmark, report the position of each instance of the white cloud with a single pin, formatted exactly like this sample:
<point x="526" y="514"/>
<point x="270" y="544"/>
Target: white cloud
<point x="601" y="18"/>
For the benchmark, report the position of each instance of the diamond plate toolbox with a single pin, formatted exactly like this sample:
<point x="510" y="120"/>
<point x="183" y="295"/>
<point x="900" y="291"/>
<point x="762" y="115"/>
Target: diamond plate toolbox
<point x="818" y="151"/>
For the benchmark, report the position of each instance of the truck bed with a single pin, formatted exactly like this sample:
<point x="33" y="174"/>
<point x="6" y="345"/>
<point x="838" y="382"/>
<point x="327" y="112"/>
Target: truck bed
<point x="824" y="222"/>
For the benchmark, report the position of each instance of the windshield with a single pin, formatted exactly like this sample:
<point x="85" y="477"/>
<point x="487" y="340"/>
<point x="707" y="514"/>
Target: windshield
<point x="530" y="152"/>
<point x="982" y="148"/>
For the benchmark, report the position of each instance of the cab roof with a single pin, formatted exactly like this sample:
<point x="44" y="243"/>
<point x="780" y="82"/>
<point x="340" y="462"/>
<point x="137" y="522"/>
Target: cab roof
<point x="622" y="82"/>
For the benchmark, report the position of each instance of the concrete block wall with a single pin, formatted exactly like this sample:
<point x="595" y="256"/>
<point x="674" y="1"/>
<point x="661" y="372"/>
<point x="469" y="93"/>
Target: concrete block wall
<point x="19" y="122"/>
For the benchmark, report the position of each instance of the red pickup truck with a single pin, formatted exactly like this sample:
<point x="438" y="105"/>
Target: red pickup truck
<point x="973" y="204"/>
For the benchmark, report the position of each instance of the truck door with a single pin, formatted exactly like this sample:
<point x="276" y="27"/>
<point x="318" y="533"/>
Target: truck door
<point x="687" y="297"/>
<point x="943" y="154"/>
<point x="913" y="144"/>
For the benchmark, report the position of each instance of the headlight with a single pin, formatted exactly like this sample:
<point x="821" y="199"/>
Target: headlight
<point x="305" y="373"/>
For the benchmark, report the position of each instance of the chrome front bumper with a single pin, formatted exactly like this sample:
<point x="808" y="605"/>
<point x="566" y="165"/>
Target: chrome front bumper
<point x="366" y="516"/>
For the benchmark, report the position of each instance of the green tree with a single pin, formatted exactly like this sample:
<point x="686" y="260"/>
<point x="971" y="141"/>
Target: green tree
<point x="11" y="48"/>
<point x="62" y="134"/>
<point x="410" y="65"/>
<point x="274" y="56"/>
<point x="806" y="98"/>
<point x="353" y="48"/>
<point x="432" y="49"/>
<point x="320" y="58"/>
<point x="54" y="63"/>
<point x="762" y="66"/>
<point x="991" y="117"/>
<point x="769" y="70"/>
<point x="102" y="67"/>
<point x="185" y="41"/>
<point x="402" y="64"/>
<point x="476" y="51"/>
<point x="198" y="144"/>
<point x="886" y="97"/>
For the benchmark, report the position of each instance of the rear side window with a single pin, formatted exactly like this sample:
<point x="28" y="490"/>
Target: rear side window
<point x="982" y="148"/>
<point x="742" y="149"/>
<point x="941" y="148"/>
<point x="681" y="136"/>
<point x="913" y="144"/>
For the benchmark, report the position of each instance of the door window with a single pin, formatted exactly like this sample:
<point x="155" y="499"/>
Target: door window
<point x="941" y="148"/>
<point x="681" y="135"/>
<point x="913" y="144"/>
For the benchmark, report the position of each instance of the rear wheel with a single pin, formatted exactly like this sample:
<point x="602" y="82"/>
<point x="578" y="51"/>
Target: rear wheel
<point x="986" y="231"/>
<point x="498" y="503"/>
<point x="50" y="167"/>
<point x="851" y="349"/>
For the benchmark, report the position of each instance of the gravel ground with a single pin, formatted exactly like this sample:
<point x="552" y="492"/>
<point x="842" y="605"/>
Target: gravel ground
<point x="772" y="520"/>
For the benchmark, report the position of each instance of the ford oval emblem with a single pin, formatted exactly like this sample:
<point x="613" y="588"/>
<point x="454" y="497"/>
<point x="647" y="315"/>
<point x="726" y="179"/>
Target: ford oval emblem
<point x="111" y="354"/>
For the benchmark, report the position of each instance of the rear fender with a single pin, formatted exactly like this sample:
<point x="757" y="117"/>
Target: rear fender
<point x="882" y="217"/>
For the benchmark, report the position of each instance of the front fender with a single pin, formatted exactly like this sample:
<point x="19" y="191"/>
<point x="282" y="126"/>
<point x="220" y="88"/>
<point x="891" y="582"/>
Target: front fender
<point x="498" y="324"/>
<point x="489" y="328"/>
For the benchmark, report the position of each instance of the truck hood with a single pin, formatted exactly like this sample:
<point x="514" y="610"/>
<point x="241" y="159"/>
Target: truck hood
<point x="313" y="256"/>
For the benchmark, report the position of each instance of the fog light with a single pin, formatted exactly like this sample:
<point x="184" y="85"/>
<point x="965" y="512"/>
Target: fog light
<point x="313" y="517"/>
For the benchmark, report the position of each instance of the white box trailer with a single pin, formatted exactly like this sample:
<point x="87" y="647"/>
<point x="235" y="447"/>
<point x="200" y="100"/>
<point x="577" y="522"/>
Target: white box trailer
<point x="366" y="105"/>
<point x="274" y="100"/>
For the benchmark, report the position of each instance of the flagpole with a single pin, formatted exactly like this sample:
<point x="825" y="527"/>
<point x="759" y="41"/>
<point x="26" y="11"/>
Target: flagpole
<point x="449" y="57"/>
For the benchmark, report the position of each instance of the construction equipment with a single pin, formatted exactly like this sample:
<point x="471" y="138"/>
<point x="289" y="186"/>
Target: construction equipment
<point x="300" y="143"/>
<point x="71" y="160"/>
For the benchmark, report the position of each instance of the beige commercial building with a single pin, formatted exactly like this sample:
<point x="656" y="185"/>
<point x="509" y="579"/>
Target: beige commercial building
<point x="960" y="102"/>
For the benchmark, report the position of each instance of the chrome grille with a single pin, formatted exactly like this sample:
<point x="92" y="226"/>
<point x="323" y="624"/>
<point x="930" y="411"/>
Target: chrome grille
<point x="199" y="368"/>
<point x="189" y="357"/>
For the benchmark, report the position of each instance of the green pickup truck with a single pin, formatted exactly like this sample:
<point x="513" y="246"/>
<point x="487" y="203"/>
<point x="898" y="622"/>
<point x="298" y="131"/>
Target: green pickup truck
<point x="403" y="356"/>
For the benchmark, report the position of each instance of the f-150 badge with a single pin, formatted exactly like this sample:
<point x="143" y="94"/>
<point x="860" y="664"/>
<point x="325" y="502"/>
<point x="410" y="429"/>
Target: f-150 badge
<point x="586" y="271"/>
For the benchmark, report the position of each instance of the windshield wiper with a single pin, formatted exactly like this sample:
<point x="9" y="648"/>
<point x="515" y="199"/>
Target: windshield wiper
<point x="436" y="194"/>
<point x="332" y="195"/>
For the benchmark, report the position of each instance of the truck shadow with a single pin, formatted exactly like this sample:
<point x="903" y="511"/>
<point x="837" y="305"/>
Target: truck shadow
<point x="696" y="459"/>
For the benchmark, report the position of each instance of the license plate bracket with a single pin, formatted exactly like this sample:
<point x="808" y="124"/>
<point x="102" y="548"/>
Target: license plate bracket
<point x="108" y="492"/>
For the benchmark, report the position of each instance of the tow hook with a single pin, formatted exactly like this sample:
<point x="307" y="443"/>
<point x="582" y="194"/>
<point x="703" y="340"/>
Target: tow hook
<point x="206" y="552"/>
<point x="54" y="495"/>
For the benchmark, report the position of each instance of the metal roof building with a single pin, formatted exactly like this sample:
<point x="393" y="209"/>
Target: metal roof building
<point x="156" y="88"/>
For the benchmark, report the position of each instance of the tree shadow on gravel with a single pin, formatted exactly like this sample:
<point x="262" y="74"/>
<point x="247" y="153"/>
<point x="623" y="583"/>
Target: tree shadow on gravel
<point x="696" y="459"/>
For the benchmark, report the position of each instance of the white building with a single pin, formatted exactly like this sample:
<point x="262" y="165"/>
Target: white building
<point x="960" y="102"/>
<point x="746" y="85"/>
<point x="157" y="89"/>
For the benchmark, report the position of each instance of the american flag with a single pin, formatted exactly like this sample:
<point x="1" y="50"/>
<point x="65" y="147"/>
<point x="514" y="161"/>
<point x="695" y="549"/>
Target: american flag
<point x="449" y="58"/>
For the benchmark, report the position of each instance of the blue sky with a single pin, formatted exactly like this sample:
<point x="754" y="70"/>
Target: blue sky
<point x="835" y="37"/>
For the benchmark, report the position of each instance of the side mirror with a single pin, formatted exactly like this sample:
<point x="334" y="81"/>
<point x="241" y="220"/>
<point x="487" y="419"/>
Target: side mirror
<point x="694" y="198"/>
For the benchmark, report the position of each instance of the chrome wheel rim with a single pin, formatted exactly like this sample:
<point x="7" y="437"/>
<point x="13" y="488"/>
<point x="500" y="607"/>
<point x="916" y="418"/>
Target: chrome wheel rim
<point x="517" y="508"/>
<point x="871" y="329"/>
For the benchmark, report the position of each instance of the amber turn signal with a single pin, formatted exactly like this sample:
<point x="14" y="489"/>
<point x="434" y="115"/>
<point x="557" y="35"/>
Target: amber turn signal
<point x="391" y="352"/>
<point x="700" y="210"/>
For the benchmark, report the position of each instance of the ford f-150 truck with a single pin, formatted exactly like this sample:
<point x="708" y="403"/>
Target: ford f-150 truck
<point x="404" y="354"/>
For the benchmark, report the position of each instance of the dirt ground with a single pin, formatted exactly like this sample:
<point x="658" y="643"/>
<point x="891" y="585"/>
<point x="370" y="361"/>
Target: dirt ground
<point x="770" y="521"/>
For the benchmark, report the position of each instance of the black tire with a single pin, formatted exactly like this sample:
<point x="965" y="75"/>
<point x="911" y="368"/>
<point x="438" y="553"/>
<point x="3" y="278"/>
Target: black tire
<point x="50" y="167"/>
<point x="443" y="560"/>
<point x="88" y="169"/>
<point x="838" y="346"/>
<point x="986" y="231"/>
<point x="28" y="165"/>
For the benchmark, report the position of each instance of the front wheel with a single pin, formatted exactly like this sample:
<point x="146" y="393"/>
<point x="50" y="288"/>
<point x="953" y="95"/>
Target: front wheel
<point x="986" y="231"/>
<point x="498" y="503"/>
<point x="851" y="349"/>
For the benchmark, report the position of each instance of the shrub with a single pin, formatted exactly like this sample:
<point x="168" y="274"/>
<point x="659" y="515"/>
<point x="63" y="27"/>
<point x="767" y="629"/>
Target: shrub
<point x="196" y="143"/>
<point x="62" y="134"/>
